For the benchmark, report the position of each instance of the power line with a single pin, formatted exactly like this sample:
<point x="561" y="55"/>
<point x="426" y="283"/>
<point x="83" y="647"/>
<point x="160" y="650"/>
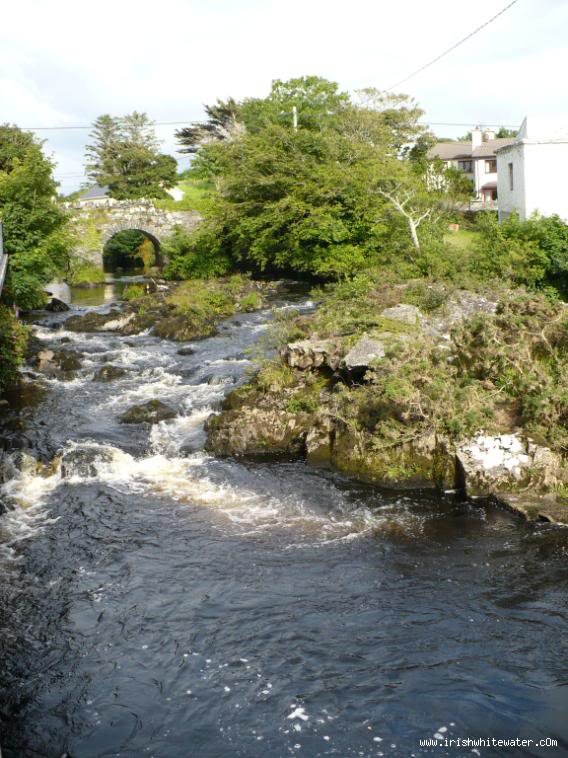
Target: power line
<point x="90" y="126"/>
<point x="178" y="123"/>
<point x="453" y="47"/>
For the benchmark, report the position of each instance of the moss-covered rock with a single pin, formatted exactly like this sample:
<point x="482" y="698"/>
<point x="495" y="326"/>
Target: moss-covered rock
<point x="148" y="413"/>
<point x="109" y="373"/>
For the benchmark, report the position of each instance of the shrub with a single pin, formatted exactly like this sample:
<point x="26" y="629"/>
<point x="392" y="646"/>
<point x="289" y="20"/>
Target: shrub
<point x="132" y="292"/>
<point x="13" y="340"/>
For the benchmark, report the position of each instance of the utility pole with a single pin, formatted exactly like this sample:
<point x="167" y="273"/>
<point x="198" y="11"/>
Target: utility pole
<point x="294" y="118"/>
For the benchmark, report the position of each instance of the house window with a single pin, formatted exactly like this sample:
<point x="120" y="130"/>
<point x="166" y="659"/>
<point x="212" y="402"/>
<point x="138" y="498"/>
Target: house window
<point x="491" y="166"/>
<point x="466" y="166"/>
<point x="511" y="182"/>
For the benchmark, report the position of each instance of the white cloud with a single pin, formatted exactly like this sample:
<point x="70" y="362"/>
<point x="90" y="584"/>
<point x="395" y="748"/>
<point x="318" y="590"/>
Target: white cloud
<point x="64" y="63"/>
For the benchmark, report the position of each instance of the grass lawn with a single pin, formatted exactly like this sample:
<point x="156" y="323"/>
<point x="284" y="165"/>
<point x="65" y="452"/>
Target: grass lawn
<point x="196" y="196"/>
<point x="463" y="240"/>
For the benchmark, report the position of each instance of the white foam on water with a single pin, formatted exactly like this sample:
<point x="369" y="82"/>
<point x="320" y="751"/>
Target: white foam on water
<point x="117" y="323"/>
<point x="27" y="494"/>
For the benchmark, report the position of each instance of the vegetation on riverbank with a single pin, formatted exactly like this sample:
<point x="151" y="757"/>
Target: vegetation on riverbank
<point x="183" y="311"/>
<point x="435" y="367"/>
<point x="13" y="341"/>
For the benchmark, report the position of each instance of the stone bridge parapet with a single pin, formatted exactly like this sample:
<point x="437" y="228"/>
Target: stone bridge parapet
<point x="98" y="220"/>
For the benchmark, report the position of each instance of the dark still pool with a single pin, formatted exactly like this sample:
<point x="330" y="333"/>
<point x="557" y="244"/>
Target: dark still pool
<point x="156" y="601"/>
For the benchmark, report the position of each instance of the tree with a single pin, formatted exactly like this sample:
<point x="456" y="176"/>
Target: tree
<point x="503" y="132"/>
<point x="124" y="156"/>
<point x="101" y="154"/>
<point x="298" y="187"/>
<point x="222" y="123"/>
<point x="35" y="232"/>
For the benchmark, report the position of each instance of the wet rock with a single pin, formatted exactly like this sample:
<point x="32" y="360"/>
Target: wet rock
<point x="319" y="442"/>
<point x="62" y="362"/>
<point x="363" y="354"/>
<point x="16" y="463"/>
<point x="57" y="306"/>
<point x="255" y="432"/>
<point x="92" y="321"/>
<point x="108" y="373"/>
<point x="179" y="328"/>
<point x="84" y="462"/>
<point x="488" y="464"/>
<point x="312" y="353"/>
<point x="186" y="351"/>
<point x="531" y="506"/>
<point x="148" y="413"/>
<point x="216" y="379"/>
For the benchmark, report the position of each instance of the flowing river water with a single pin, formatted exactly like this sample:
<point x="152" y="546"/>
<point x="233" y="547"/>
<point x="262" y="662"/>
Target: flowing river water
<point x="172" y="604"/>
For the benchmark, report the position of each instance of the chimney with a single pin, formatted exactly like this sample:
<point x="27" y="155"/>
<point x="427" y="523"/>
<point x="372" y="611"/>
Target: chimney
<point x="476" y="137"/>
<point x="488" y="134"/>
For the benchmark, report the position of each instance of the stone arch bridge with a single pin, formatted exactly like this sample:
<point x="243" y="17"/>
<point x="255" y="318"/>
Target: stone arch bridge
<point x="97" y="221"/>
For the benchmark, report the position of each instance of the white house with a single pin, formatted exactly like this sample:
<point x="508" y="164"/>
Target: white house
<point x="94" y="195"/>
<point x="532" y="170"/>
<point x="477" y="159"/>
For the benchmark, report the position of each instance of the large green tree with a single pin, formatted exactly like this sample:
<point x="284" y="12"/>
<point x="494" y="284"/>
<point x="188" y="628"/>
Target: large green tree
<point x="35" y="230"/>
<point x="124" y="155"/>
<point x="305" y="186"/>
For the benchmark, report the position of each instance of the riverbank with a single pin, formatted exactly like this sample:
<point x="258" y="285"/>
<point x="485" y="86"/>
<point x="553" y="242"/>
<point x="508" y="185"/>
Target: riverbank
<point x="414" y="385"/>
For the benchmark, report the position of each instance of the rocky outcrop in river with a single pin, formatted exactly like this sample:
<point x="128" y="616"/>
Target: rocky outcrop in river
<point x="406" y="403"/>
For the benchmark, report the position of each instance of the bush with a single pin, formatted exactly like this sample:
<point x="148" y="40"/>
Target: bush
<point x="13" y="340"/>
<point x="132" y="291"/>
<point x="83" y="273"/>
<point x="194" y="255"/>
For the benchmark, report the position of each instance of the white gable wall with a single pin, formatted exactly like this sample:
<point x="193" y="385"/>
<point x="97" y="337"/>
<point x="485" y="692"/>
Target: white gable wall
<point x="546" y="168"/>
<point x="511" y="200"/>
<point x="540" y="167"/>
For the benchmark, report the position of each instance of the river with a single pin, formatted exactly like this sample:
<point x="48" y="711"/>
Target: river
<point x="173" y="604"/>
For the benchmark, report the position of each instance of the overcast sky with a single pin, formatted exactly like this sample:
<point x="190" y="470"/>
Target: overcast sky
<point x="64" y="62"/>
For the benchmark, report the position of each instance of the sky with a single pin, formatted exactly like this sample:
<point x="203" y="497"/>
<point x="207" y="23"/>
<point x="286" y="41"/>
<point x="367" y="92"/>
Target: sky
<point x="63" y="62"/>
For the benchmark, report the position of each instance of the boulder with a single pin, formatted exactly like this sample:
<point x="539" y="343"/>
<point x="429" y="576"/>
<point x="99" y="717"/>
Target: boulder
<point x="57" y="362"/>
<point x="15" y="463"/>
<point x="406" y="314"/>
<point x="186" y="351"/>
<point x="84" y="462"/>
<point x="255" y="432"/>
<point x="461" y="306"/>
<point x="57" y="306"/>
<point x="312" y="353"/>
<point x="148" y="413"/>
<point x="108" y="373"/>
<point x="363" y="354"/>
<point x="489" y="464"/>
<point x="92" y="321"/>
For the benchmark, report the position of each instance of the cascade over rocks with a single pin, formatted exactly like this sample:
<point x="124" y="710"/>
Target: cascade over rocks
<point x="148" y="413"/>
<point x="84" y="462"/>
<point x="92" y="321"/>
<point x="63" y="362"/>
<point x="108" y="373"/>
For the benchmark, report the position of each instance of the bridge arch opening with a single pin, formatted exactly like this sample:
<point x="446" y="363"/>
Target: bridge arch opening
<point x="132" y="251"/>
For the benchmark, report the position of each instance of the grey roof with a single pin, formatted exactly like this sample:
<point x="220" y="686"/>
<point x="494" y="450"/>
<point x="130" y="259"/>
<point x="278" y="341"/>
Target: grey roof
<point x="94" y="192"/>
<point x="450" y="151"/>
<point x="487" y="149"/>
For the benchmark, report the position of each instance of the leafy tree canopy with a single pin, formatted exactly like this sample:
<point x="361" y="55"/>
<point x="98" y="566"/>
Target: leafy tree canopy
<point x="300" y="195"/>
<point x="35" y="232"/>
<point x="124" y="155"/>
